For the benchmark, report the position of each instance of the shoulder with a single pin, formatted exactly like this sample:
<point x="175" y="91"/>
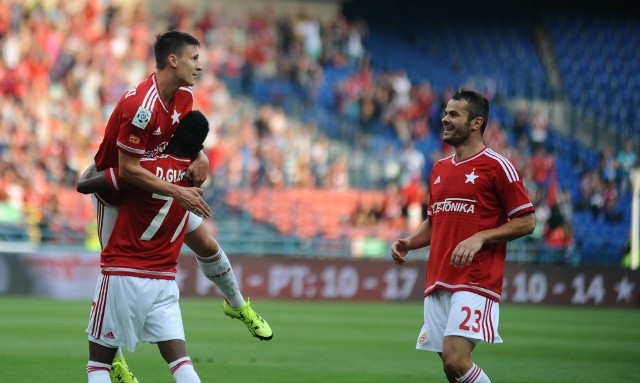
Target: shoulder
<point x="501" y="165"/>
<point x="185" y="91"/>
<point x="144" y="96"/>
<point x="184" y="97"/>
<point x="443" y="161"/>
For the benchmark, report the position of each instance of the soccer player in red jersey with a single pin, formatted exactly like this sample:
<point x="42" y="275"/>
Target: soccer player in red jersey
<point x="477" y="203"/>
<point x="140" y="127"/>
<point x="136" y="297"/>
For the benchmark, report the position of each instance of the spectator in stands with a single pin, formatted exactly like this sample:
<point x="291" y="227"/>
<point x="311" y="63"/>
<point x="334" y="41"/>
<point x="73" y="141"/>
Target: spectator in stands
<point x="610" y="202"/>
<point x="414" y="195"/>
<point x="365" y="213"/>
<point x="558" y="238"/>
<point x="338" y="175"/>
<point x="596" y="198"/>
<point x="541" y="166"/>
<point x="391" y="167"/>
<point x="393" y="203"/>
<point x="520" y="126"/>
<point x="626" y="159"/>
<point x="50" y="224"/>
<point x="586" y="188"/>
<point x="262" y="122"/>
<point x="412" y="163"/>
<point x="307" y="30"/>
<point x="319" y="160"/>
<point x="607" y="165"/>
<point x="539" y="130"/>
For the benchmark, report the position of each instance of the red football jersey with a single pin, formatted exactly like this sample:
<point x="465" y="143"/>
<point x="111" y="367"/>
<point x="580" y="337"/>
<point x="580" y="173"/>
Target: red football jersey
<point x="150" y="228"/>
<point x="141" y="126"/>
<point x="479" y="193"/>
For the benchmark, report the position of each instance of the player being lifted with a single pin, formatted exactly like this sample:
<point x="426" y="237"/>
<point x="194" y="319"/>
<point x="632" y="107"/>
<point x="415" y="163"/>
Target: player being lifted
<point x="140" y="127"/>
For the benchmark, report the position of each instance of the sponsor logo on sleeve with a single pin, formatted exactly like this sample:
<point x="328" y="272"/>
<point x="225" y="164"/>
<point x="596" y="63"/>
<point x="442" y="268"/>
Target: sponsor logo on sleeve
<point x="141" y="118"/>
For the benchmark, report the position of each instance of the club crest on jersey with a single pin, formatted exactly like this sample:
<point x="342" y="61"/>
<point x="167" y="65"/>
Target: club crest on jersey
<point x="134" y="139"/>
<point x="423" y="338"/>
<point x="142" y="118"/>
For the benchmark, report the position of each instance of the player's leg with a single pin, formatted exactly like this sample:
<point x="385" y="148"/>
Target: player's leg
<point x="215" y="265"/>
<point x="435" y="316"/>
<point x="106" y="217"/>
<point x="472" y="318"/>
<point x="213" y="261"/>
<point x="175" y="354"/>
<point x="456" y="358"/>
<point x="163" y="326"/>
<point x="99" y="365"/>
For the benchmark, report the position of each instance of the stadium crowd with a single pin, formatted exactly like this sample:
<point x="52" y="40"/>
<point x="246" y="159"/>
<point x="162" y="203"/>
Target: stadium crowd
<point x="63" y="68"/>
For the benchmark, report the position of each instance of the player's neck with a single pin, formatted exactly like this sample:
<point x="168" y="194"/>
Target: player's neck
<point x="167" y="85"/>
<point x="467" y="150"/>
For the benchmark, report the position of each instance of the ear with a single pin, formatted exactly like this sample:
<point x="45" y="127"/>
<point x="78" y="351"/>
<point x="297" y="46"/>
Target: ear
<point x="477" y="123"/>
<point x="173" y="60"/>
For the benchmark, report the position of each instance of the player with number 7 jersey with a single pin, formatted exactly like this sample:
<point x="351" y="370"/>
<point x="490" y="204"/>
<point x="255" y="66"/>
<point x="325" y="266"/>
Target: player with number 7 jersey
<point x="136" y="297"/>
<point x="150" y="227"/>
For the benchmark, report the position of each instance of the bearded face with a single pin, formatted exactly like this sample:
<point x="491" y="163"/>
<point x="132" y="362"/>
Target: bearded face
<point x="455" y="123"/>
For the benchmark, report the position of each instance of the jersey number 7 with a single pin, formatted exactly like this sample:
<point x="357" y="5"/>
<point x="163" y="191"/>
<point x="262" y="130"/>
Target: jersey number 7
<point x="157" y="221"/>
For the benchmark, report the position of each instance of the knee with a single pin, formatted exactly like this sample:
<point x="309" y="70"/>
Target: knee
<point x="209" y="249"/>
<point x="204" y="247"/>
<point x="455" y="365"/>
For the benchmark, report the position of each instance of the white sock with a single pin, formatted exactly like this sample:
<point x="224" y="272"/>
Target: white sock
<point x="217" y="269"/>
<point x="118" y="353"/>
<point x="98" y="372"/>
<point x="474" y="375"/>
<point x="183" y="372"/>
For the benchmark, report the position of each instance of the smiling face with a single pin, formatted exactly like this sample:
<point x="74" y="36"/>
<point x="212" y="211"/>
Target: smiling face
<point x="456" y="125"/>
<point x="187" y="65"/>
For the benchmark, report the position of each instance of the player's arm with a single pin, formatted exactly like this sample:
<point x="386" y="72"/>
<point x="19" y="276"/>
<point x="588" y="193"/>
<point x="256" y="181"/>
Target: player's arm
<point x="199" y="169"/>
<point x="421" y="238"/>
<point x="92" y="181"/>
<point x="514" y="228"/>
<point x="189" y="197"/>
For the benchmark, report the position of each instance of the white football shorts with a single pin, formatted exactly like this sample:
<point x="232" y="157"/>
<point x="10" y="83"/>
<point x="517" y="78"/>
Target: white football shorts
<point x="459" y="313"/>
<point x="107" y="219"/>
<point x="129" y="310"/>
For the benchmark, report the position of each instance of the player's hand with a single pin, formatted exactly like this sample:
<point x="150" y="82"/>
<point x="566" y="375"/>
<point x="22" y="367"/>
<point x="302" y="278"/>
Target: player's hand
<point x="198" y="171"/>
<point x="463" y="253"/>
<point x="399" y="250"/>
<point x="191" y="199"/>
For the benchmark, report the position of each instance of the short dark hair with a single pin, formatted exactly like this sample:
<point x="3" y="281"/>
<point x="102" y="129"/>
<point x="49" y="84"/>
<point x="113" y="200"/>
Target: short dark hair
<point x="477" y="105"/>
<point x="189" y="136"/>
<point x="171" y="42"/>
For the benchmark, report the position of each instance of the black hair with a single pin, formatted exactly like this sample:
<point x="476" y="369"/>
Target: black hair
<point x="477" y="105"/>
<point x="189" y="136"/>
<point x="171" y="42"/>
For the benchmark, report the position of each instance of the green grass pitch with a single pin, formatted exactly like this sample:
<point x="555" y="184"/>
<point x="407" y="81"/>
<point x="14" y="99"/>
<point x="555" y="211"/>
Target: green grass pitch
<point x="44" y="341"/>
